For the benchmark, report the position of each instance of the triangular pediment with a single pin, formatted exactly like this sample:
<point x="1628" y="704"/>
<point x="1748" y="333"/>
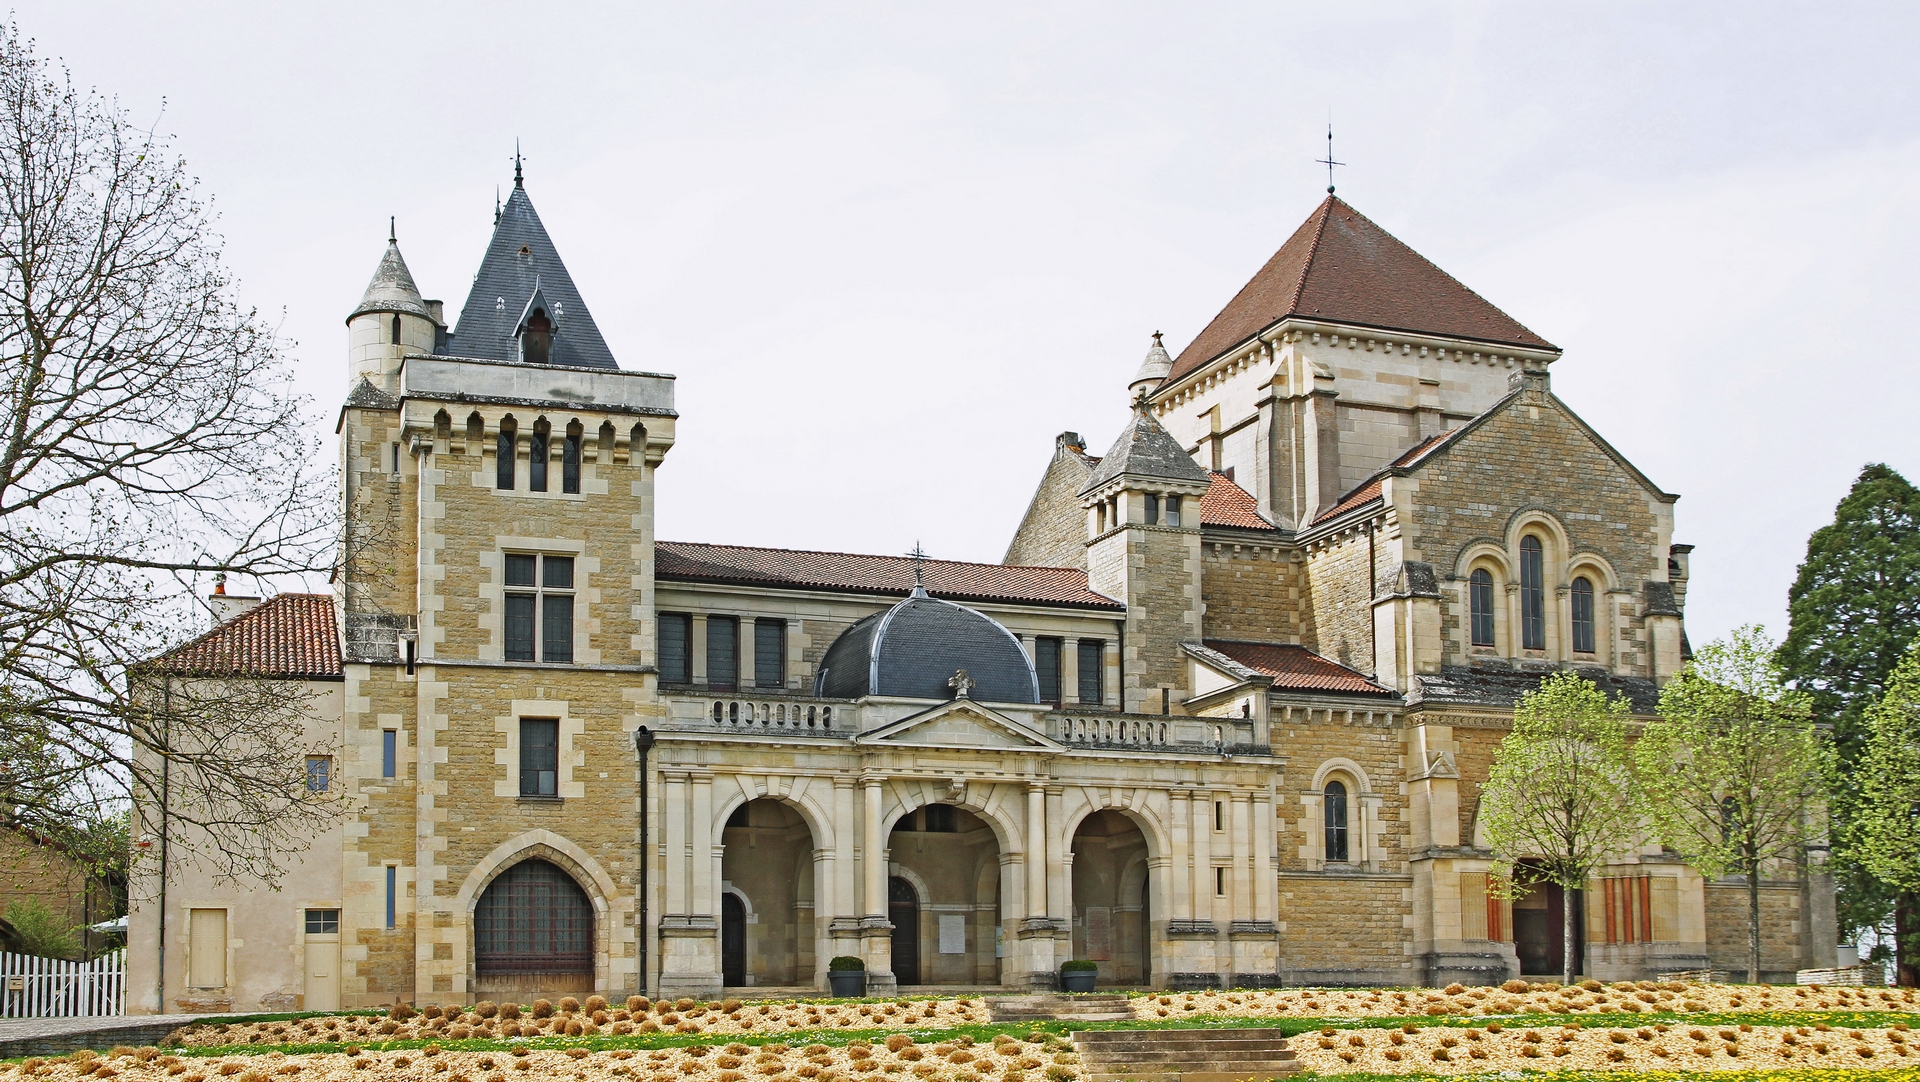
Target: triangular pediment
<point x="962" y="723"/>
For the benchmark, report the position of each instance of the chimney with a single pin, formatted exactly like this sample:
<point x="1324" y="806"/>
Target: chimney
<point x="1070" y="441"/>
<point x="226" y="606"/>
<point x="436" y="311"/>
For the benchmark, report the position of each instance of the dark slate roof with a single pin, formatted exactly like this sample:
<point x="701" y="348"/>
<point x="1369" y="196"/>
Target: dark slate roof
<point x="1145" y="450"/>
<point x="914" y="648"/>
<point x="1498" y="684"/>
<point x="392" y="288"/>
<point x="687" y="561"/>
<point x="1295" y="668"/>
<point x="292" y="636"/>
<point x="368" y="397"/>
<point x="520" y="259"/>
<point x="1342" y="268"/>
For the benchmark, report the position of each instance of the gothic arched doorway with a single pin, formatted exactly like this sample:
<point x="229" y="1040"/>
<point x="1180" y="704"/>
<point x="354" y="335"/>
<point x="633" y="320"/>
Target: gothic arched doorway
<point x="1112" y="924"/>
<point x="766" y="868"/>
<point x="533" y="933"/>
<point x="733" y="940"/>
<point x="903" y="909"/>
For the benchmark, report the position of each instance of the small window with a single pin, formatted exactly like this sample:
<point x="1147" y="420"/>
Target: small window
<point x="539" y="594"/>
<point x="323" y="922"/>
<point x="504" y="453"/>
<point x="393" y="895"/>
<point x="1582" y="615"/>
<point x="536" y="341"/>
<point x="396" y="329"/>
<point x="570" y="463"/>
<point x="389" y="752"/>
<point x="537" y="459"/>
<point x="723" y="651"/>
<point x="1093" y="654"/>
<point x="940" y="819"/>
<point x="1480" y="586"/>
<point x="1220" y="882"/>
<point x="539" y="757"/>
<point x="1046" y="666"/>
<point x="319" y="773"/>
<point x="770" y="653"/>
<point x="1533" y="610"/>
<point x="1336" y="815"/>
<point x="1173" y="510"/>
<point x="1152" y="514"/>
<point x="1219" y="815"/>
<point x="676" y="632"/>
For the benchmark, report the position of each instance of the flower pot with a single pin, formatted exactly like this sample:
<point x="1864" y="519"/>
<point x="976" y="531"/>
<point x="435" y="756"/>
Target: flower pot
<point x="848" y="983"/>
<point x="1078" y="980"/>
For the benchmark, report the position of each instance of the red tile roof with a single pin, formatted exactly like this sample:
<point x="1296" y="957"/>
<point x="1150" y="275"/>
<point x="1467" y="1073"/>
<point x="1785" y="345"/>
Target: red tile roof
<point x="850" y="572"/>
<point x="1227" y="504"/>
<point x="1342" y="268"/>
<point x="291" y="636"/>
<point x="1296" y="667"/>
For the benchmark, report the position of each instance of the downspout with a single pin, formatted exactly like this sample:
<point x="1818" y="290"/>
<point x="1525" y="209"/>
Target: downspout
<point x="642" y="744"/>
<point x="166" y="773"/>
<point x="1373" y="594"/>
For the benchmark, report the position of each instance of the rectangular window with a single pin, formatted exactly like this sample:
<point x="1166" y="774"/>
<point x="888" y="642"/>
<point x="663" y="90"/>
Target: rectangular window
<point x="539" y="757"/>
<point x="503" y="453"/>
<point x="319" y="773"/>
<point x="770" y="653"/>
<point x="323" y="922"/>
<point x="570" y="464"/>
<point x="393" y="895"/>
<point x="1093" y="664"/>
<point x="676" y="633"/>
<point x="207" y="948"/>
<point x="1152" y="515"/>
<point x="1220" y="882"/>
<point x="1173" y="510"/>
<point x="537" y="462"/>
<point x="389" y="752"/>
<point x="540" y="594"/>
<point x="1219" y="815"/>
<point x="1046" y="666"/>
<point x="723" y="651"/>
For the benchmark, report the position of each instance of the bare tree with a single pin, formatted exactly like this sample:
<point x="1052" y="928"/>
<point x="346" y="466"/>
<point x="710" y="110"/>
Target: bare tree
<point x="148" y="437"/>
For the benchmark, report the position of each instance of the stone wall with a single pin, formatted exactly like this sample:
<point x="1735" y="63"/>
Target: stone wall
<point x="1053" y="533"/>
<point x="1781" y="927"/>
<point x="1346" y="929"/>
<point x="1340" y="595"/>
<point x="1254" y="592"/>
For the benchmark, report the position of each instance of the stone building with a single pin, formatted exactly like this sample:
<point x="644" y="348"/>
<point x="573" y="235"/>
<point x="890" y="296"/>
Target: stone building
<point x="1220" y="718"/>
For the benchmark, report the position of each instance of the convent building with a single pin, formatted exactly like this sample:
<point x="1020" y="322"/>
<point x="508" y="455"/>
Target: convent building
<point x="1220" y="718"/>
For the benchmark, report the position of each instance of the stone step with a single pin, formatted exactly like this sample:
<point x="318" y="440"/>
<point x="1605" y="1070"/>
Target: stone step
<point x="1186" y="1048"/>
<point x="1124" y="1037"/>
<point x="1089" y="1006"/>
<point x="1183" y="1055"/>
<point x="1190" y="1076"/>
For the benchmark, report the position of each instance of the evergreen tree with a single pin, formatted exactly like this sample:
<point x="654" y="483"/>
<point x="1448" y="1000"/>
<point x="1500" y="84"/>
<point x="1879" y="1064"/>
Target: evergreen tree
<point x="1855" y="610"/>
<point x="1886" y="823"/>
<point x="1561" y="795"/>
<point x="1734" y="771"/>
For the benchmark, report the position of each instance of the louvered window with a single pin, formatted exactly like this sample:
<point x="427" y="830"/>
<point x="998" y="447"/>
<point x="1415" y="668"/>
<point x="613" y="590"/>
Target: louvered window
<point x="676" y="632"/>
<point x="1092" y="668"/>
<point x="533" y="919"/>
<point x="723" y="652"/>
<point x="770" y="653"/>
<point x="1046" y="666"/>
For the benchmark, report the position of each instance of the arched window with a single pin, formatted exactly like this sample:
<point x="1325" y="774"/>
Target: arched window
<point x="537" y="458"/>
<point x="1582" y="615"/>
<point x="1533" y="608"/>
<point x="503" y="469"/>
<point x="570" y="459"/>
<point x="1480" y="601"/>
<point x="533" y="919"/>
<point x="396" y="330"/>
<point x="1336" y="816"/>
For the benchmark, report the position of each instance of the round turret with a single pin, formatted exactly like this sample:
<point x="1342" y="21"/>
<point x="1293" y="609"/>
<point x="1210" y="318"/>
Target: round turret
<point x="391" y="321"/>
<point x="1153" y="370"/>
<point x="914" y="649"/>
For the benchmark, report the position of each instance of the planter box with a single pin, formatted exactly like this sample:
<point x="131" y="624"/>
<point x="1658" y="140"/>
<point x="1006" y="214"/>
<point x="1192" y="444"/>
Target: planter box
<point x="848" y="983"/>
<point x="1080" y="980"/>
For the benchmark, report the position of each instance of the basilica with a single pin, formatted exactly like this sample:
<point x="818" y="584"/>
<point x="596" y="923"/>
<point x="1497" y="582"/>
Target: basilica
<point x="1220" y="718"/>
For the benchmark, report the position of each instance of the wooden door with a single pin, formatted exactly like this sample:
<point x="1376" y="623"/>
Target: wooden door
<point x="733" y="941"/>
<point x="903" y="909"/>
<point x="323" y="974"/>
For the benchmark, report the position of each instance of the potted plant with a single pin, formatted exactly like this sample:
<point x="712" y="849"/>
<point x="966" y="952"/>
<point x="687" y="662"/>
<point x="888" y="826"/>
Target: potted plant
<point x="847" y="976"/>
<point x="1078" y="974"/>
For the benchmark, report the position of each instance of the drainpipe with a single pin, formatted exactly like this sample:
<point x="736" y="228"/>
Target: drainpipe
<point x="166" y="775"/>
<point x="642" y="744"/>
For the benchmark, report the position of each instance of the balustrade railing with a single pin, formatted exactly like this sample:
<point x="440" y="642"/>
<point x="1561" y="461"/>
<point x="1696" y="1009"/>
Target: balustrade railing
<point x="1183" y="733"/>
<point x="740" y="713"/>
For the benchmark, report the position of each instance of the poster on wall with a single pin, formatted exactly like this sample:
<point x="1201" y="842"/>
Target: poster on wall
<point x="953" y="933"/>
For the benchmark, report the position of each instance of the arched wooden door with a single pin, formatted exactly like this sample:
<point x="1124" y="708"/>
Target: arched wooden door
<point x="733" y="941"/>
<point x="903" y="909"/>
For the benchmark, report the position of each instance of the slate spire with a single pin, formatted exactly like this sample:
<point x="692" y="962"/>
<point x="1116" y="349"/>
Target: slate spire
<point x="392" y="288"/>
<point x="520" y="261"/>
<point x="1153" y="369"/>
<point x="1144" y="449"/>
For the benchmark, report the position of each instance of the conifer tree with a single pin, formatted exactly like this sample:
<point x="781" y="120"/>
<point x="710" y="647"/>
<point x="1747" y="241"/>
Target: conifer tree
<point x="1561" y="795"/>
<point x="1886" y="824"/>
<point x="1855" y="610"/>
<point x="1734" y="771"/>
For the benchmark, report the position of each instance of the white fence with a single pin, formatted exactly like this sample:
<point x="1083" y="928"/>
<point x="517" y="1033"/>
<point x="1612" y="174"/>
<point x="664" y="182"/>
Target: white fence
<point x="33" y="987"/>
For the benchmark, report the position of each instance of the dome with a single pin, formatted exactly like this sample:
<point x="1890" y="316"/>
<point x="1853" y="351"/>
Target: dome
<point x="914" y="648"/>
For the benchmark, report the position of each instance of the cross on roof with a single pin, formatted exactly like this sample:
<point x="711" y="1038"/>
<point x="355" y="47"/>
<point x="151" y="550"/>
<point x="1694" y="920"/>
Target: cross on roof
<point x="919" y="562"/>
<point x="1328" y="160"/>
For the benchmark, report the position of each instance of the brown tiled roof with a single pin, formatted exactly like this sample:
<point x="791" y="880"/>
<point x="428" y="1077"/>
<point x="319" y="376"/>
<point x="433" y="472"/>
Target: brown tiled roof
<point x="291" y="636"/>
<point x="1227" y="504"/>
<point x="1370" y="491"/>
<point x="844" y="571"/>
<point x="1296" y="667"/>
<point x="1359" y="497"/>
<point x="1341" y="267"/>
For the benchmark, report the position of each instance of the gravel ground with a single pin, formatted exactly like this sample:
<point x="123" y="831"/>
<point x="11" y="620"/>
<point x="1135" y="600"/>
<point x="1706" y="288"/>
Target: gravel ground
<point x="1519" y="997"/>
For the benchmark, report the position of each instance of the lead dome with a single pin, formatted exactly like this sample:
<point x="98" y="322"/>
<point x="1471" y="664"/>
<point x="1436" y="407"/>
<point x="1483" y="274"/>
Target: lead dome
<point x="914" y="648"/>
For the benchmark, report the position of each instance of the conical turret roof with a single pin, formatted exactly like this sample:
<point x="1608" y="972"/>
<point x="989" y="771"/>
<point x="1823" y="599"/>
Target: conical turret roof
<point x="521" y="260"/>
<point x="1155" y="367"/>
<point x="392" y="288"/>
<point x="1144" y="449"/>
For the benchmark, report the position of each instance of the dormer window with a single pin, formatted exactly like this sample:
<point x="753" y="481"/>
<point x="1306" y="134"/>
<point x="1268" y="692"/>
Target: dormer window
<point x="536" y="340"/>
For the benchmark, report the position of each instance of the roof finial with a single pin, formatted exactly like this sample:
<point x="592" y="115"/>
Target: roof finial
<point x="1143" y="401"/>
<point x="392" y="237"/>
<point x="1328" y="160"/>
<point x="519" y="181"/>
<point x="919" y="563"/>
<point x="496" y="204"/>
<point x="1156" y="339"/>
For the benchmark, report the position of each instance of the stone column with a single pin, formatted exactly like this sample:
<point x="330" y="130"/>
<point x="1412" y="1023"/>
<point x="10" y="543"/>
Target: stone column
<point x="876" y="931"/>
<point x="1069" y="671"/>
<point x="842" y="904"/>
<point x="1266" y="888"/>
<point x="697" y="649"/>
<point x="1203" y="900"/>
<point x="1035" y="933"/>
<point x="706" y="854"/>
<point x="689" y="940"/>
<point x="1254" y="940"/>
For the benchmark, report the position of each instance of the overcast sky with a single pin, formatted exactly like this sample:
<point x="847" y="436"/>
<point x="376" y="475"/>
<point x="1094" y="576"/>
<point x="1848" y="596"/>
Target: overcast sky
<point x="891" y="250"/>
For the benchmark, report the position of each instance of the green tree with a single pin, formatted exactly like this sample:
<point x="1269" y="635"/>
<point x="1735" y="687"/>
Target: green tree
<point x="43" y="933"/>
<point x="1855" y="610"/>
<point x="1561" y="794"/>
<point x="1886" y="822"/>
<point x="1734" y="771"/>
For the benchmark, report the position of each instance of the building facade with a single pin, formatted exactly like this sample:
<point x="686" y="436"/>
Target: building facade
<point x="1220" y="718"/>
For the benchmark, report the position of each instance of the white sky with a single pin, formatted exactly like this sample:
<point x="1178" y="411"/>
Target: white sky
<point x="891" y="250"/>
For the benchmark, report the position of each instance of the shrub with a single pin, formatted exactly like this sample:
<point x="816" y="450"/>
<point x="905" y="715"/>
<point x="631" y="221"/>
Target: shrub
<point x="42" y="932"/>
<point x="569" y="1005"/>
<point x="402" y="1011"/>
<point x="510" y="1010"/>
<point x="486" y="1008"/>
<point x="636" y="1004"/>
<point x="846" y="963"/>
<point x="898" y="1041"/>
<point x="1079" y="965"/>
<point x="542" y="1008"/>
<point x="596" y="1003"/>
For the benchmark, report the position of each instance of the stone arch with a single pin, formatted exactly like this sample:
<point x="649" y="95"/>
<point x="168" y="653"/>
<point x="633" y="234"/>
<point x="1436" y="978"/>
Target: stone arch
<point x="1487" y="552"/>
<point x="1344" y="766"/>
<point x="947" y="880"/>
<point x="818" y="820"/>
<point x="769" y="865"/>
<point x="1544" y="520"/>
<point x="905" y="796"/>
<point x="562" y="853"/>
<point x="1151" y="826"/>
<point x="746" y="902"/>
<point x="1597" y="567"/>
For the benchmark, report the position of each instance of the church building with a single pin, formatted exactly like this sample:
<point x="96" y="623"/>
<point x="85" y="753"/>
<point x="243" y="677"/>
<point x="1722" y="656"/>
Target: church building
<point x="1221" y="718"/>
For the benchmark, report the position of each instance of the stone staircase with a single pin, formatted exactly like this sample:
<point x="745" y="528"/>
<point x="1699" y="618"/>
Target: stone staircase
<point x="1183" y="1055"/>
<point x="1054" y="1006"/>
